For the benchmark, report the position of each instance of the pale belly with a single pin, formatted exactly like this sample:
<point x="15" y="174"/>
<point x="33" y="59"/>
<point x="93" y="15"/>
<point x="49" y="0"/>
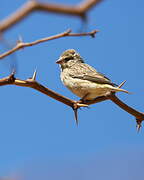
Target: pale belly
<point x="86" y="89"/>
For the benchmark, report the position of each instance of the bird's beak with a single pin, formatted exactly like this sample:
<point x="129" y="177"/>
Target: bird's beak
<point x="59" y="61"/>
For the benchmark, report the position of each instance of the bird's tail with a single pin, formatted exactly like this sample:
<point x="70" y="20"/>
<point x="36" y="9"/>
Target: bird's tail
<point x="117" y="89"/>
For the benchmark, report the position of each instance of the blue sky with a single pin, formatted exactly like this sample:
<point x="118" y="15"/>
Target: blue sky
<point x="38" y="135"/>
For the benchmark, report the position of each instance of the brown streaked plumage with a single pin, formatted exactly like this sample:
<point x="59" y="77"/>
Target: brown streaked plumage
<point x="82" y="79"/>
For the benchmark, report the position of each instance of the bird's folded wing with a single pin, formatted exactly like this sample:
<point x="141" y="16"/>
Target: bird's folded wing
<point x="101" y="79"/>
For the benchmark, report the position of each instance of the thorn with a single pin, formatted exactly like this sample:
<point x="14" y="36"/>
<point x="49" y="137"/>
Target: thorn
<point x="122" y="84"/>
<point x="75" y="109"/>
<point x="138" y="126"/>
<point x="84" y="17"/>
<point x="20" y="39"/>
<point x="13" y="72"/>
<point x="11" y="77"/>
<point x="81" y="105"/>
<point x="68" y="31"/>
<point x="34" y="75"/>
<point x="76" y="116"/>
<point x="93" y="33"/>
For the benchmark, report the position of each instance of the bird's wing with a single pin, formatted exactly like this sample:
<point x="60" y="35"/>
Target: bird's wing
<point x="96" y="79"/>
<point x="86" y="72"/>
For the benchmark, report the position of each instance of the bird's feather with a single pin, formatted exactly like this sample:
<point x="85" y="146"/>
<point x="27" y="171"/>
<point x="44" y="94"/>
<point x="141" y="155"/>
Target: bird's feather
<point x="86" y="72"/>
<point x="99" y="80"/>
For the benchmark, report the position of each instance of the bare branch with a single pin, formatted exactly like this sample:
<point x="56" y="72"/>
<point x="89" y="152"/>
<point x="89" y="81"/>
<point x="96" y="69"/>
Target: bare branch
<point x="33" y="5"/>
<point x="130" y="110"/>
<point x="11" y="80"/>
<point x="139" y="116"/>
<point x="75" y="105"/>
<point x="67" y="33"/>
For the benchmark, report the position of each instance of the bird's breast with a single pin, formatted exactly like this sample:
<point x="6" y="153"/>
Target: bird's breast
<point x="82" y="87"/>
<point x="77" y="86"/>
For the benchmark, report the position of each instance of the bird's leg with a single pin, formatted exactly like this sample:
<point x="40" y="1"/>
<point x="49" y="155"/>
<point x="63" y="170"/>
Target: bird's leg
<point x="109" y="93"/>
<point x="83" y="99"/>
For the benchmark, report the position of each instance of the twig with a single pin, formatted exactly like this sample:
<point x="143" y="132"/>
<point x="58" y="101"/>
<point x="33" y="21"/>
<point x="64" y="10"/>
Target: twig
<point x="68" y="33"/>
<point x="75" y="105"/>
<point x="33" y="5"/>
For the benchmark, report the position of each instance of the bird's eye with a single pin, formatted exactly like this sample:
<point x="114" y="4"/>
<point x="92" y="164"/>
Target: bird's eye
<point x="68" y="58"/>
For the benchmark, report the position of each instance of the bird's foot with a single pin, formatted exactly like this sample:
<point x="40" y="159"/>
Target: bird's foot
<point x="109" y="93"/>
<point x="83" y="99"/>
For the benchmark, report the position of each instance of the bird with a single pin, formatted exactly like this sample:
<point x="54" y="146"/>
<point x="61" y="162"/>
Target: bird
<point x="82" y="79"/>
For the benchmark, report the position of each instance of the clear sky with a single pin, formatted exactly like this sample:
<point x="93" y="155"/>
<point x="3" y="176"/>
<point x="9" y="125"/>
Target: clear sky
<point x="38" y="136"/>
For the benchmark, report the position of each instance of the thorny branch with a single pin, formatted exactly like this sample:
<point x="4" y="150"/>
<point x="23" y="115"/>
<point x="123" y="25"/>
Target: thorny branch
<point x="67" y="33"/>
<point x="79" y="10"/>
<point x="30" y="6"/>
<point x="75" y="105"/>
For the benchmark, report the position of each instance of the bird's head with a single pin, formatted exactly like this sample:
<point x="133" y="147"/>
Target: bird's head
<point x="69" y="58"/>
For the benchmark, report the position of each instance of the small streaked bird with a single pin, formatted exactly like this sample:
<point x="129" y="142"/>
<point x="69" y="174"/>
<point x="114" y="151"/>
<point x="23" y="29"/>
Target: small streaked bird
<point x="82" y="79"/>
